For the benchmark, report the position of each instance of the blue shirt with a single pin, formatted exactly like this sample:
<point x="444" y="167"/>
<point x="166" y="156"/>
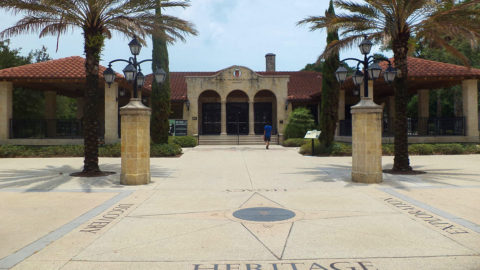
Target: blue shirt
<point x="268" y="130"/>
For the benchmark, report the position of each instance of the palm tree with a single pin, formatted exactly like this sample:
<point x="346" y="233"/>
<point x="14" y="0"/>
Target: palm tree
<point x="97" y="19"/>
<point x="396" y="22"/>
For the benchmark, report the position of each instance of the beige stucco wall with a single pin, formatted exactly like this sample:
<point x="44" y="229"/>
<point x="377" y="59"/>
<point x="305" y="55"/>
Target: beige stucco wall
<point x="6" y="109"/>
<point x="225" y="82"/>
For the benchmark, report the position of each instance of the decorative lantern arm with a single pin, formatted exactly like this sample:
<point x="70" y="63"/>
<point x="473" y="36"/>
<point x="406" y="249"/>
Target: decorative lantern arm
<point x="118" y="60"/>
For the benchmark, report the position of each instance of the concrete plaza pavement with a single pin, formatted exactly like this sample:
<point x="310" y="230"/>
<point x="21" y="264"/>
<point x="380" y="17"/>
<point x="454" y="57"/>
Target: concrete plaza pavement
<point x="186" y="218"/>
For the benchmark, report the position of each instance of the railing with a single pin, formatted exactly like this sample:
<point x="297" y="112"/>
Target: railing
<point x="237" y="128"/>
<point x="345" y="127"/>
<point x="453" y="126"/>
<point x="45" y="128"/>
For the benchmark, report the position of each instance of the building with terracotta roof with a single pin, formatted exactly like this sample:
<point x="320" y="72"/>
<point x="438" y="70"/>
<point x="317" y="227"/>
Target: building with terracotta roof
<point x="233" y="101"/>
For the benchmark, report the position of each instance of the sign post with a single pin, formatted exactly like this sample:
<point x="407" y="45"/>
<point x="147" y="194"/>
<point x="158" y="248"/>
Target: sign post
<point x="314" y="135"/>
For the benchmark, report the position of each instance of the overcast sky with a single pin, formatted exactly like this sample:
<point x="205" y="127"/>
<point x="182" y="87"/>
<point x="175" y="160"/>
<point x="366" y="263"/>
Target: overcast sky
<point x="231" y="32"/>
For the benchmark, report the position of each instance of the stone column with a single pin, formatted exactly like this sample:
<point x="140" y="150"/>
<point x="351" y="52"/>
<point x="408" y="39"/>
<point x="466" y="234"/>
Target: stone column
<point x="6" y="109"/>
<point x="367" y="142"/>
<point x="135" y="143"/>
<point x="111" y="113"/>
<point x="51" y="112"/>
<point x="423" y="111"/>
<point x="251" y="118"/>
<point x="370" y="90"/>
<point x="186" y="112"/>
<point x="192" y="116"/>
<point x="341" y="110"/>
<point x="470" y="108"/>
<point x="223" y="118"/>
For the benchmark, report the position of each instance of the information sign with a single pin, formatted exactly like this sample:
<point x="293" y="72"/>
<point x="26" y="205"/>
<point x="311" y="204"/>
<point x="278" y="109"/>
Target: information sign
<point x="312" y="134"/>
<point x="181" y="127"/>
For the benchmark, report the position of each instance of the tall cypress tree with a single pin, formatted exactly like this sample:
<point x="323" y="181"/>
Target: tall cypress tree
<point x="330" y="88"/>
<point x="159" y="125"/>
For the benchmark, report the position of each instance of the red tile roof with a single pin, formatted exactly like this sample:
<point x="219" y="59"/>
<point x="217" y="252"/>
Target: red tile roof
<point x="418" y="67"/>
<point x="64" y="68"/>
<point x="302" y="85"/>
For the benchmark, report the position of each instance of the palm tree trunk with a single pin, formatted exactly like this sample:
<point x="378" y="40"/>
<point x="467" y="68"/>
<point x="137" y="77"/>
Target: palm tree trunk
<point x="93" y="47"/>
<point x="401" y="160"/>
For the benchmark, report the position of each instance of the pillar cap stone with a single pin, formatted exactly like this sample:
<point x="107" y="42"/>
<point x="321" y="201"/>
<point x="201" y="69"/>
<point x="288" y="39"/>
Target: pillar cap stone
<point x="135" y="106"/>
<point x="366" y="105"/>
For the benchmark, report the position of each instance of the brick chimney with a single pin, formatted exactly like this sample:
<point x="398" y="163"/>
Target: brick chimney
<point x="270" y="61"/>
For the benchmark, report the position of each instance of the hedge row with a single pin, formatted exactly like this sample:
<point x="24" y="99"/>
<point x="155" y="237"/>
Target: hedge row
<point x="113" y="150"/>
<point x="344" y="149"/>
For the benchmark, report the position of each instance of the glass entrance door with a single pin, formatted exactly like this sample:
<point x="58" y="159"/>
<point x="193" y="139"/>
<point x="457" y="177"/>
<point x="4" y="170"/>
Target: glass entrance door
<point x="263" y="115"/>
<point x="211" y="118"/>
<point x="237" y="118"/>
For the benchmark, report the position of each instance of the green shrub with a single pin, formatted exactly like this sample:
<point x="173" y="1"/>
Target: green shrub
<point x="294" y="142"/>
<point x="472" y="149"/>
<point x="341" y="149"/>
<point x="448" y="149"/>
<point x="420" y="149"/>
<point x="299" y="121"/>
<point x="185" y="141"/>
<point x="387" y="149"/>
<point x="165" y="150"/>
<point x="110" y="150"/>
<point x="306" y="149"/>
<point x="337" y="149"/>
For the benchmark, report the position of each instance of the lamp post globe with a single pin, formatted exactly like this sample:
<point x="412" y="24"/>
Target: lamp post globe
<point x="365" y="46"/>
<point x="109" y="75"/>
<point x="374" y="71"/>
<point x="160" y="75"/>
<point x="135" y="46"/>
<point x="130" y="72"/>
<point x="358" y="77"/>
<point x="140" y="79"/>
<point x="341" y="74"/>
<point x="390" y="74"/>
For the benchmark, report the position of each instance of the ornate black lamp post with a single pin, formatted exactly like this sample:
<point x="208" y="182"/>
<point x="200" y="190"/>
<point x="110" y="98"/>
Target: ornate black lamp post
<point x="371" y="69"/>
<point x="133" y="71"/>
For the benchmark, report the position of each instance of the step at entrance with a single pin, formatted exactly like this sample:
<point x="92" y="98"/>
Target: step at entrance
<point x="234" y="140"/>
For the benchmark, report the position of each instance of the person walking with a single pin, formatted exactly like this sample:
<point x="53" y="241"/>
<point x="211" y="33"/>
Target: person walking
<point x="267" y="134"/>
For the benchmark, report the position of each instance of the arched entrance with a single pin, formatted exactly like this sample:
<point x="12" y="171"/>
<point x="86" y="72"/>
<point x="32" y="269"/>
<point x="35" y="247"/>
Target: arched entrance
<point x="265" y="111"/>
<point x="210" y="113"/>
<point x="237" y="113"/>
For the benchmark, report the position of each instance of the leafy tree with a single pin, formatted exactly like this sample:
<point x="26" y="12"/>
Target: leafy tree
<point x="299" y="122"/>
<point x="398" y="21"/>
<point x="160" y="98"/>
<point x="97" y="19"/>
<point x="11" y="57"/>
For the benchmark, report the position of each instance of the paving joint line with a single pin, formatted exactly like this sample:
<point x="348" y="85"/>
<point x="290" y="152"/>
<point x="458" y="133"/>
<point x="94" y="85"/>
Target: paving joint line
<point x="465" y="223"/>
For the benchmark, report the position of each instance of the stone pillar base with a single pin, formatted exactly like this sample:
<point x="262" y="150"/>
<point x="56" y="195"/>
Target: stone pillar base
<point x="367" y="142"/>
<point x="135" y="143"/>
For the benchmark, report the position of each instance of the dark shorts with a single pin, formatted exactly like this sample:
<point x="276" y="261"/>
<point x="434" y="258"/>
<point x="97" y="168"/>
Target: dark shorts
<point x="267" y="139"/>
